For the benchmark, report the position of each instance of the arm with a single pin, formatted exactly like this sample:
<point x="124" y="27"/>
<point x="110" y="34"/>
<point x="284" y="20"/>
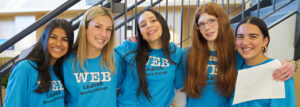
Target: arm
<point x="286" y="71"/>
<point x="16" y="92"/>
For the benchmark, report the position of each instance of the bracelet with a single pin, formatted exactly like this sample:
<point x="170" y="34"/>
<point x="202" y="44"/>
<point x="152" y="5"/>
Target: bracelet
<point x="294" y="62"/>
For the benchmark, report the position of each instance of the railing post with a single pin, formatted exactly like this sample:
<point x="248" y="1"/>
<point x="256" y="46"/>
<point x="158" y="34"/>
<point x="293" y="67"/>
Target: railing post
<point x="274" y="2"/>
<point x="188" y="29"/>
<point x="243" y="8"/>
<point x="227" y="7"/>
<point x="167" y="6"/>
<point x="125" y="17"/>
<point x="258" y="7"/>
<point x="297" y="34"/>
<point x="181" y="23"/>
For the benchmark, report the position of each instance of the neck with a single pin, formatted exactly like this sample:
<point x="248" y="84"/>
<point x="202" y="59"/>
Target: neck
<point x="92" y="52"/>
<point x="156" y="44"/>
<point x="257" y="60"/>
<point x="52" y="61"/>
<point x="211" y="46"/>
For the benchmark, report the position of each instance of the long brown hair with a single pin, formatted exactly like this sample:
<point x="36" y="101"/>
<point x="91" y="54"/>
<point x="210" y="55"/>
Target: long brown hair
<point x="197" y="58"/>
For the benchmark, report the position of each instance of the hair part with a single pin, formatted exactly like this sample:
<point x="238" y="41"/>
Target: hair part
<point x="41" y="56"/>
<point x="257" y="22"/>
<point x="107" y="59"/>
<point x="197" y="58"/>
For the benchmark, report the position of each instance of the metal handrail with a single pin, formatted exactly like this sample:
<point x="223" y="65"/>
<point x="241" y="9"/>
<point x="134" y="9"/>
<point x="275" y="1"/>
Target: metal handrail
<point x="277" y="9"/>
<point x="38" y="24"/>
<point x="78" y="16"/>
<point x="132" y="17"/>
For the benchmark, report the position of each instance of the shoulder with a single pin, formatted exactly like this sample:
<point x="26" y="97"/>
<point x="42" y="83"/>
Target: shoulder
<point x="126" y="47"/>
<point x="22" y="68"/>
<point x="70" y="57"/>
<point x="26" y="64"/>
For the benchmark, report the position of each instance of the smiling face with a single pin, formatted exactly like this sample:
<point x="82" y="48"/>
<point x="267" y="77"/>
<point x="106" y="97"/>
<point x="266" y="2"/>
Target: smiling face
<point x="150" y="28"/>
<point x="98" y="32"/>
<point x="250" y="42"/>
<point x="57" y="44"/>
<point x="208" y="27"/>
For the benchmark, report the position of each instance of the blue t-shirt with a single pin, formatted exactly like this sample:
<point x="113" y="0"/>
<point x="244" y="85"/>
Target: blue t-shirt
<point x="97" y="86"/>
<point x="289" y="101"/>
<point x="161" y="76"/>
<point x="22" y="83"/>
<point x="210" y="96"/>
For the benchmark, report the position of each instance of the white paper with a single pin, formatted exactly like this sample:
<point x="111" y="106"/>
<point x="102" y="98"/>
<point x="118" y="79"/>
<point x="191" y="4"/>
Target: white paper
<point x="257" y="83"/>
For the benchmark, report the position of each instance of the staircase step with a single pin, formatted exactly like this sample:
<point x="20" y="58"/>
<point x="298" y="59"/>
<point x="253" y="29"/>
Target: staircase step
<point x="279" y="1"/>
<point x="273" y="18"/>
<point x="265" y="11"/>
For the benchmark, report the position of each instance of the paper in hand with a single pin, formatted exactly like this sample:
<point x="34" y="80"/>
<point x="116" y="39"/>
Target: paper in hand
<point x="257" y="83"/>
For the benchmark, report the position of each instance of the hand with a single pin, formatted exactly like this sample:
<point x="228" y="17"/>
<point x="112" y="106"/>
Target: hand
<point x="132" y="38"/>
<point x="285" y="72"/>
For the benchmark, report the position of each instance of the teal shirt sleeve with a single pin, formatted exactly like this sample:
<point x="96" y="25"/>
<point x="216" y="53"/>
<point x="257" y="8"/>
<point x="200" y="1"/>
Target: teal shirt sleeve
<point x="120" y="69"/>
<point x="179" y="75"/>
<point x="17" y="88"/>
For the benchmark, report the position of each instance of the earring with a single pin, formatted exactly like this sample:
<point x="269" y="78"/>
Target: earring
<point x="264" y="49"/>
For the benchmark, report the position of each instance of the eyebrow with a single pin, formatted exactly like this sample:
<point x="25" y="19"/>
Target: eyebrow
<point x="148" y="18"/>
<point x="57" y="35"/>
<point x="101" y="24"/>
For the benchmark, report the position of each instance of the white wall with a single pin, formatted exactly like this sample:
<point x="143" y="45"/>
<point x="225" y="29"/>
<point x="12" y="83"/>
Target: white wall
<point x="15" y="26"/>
<point x="282" y="40"/>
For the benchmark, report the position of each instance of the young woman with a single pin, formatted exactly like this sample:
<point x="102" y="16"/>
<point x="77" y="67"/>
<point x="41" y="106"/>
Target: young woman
<point x="90" y="71"/>
<point x="211" y="61"/>
<point x="36" y="81"/>
<point x="151" y="64"/>
<point x="252" y="39"/>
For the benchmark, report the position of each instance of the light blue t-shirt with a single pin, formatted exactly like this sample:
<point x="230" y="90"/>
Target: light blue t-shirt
<point x="97" y="86"/>
<point x="161" y="76"/>
<point x="289" y="101"/>
<point x="210" y="96"/>
<point x="22" y="83"/>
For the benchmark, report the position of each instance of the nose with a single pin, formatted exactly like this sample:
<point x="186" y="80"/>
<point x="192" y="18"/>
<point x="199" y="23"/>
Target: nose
<point x="58" y="42"/>
<point x="149" y="25"/>
<point x="246" y="41"/>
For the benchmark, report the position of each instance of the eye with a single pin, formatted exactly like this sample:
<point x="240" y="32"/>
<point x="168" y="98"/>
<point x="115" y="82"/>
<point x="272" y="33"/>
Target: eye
<point x="98" y="26"/>
<point x="65" y="39"/>
<point x="211" y="21"/>
<point x="253" y="36"/>
<point x="52" y="37"/>
<point x="109" y="29"/>
<point x="142" y="25"/>
<point x="201" y="24"/>
<point x="153" y="20"/>
<point x="240" y="36"/>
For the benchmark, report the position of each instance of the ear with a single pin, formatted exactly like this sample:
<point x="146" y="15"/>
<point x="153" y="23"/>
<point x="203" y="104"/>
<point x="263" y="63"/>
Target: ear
<point x="266" y="41"/>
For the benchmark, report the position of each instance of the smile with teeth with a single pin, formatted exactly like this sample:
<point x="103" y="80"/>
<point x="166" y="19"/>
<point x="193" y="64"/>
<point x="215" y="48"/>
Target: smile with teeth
<point x="246" y="49"/>
<point x="151" y="32"/>
<point x="57" y="49"/>
<point x="100" y="40"/>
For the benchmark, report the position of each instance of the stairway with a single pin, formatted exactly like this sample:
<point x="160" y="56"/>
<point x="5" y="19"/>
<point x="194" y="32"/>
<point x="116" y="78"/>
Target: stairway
<point x="285" y="8"/>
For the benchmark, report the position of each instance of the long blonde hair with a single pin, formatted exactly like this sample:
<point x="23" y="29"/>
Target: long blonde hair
<point x="107" y="59"/>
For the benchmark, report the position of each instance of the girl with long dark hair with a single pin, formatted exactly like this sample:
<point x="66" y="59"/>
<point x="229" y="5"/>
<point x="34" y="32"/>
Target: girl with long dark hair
<point x="151" y="64"/>
<point x="36" y="81"/>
